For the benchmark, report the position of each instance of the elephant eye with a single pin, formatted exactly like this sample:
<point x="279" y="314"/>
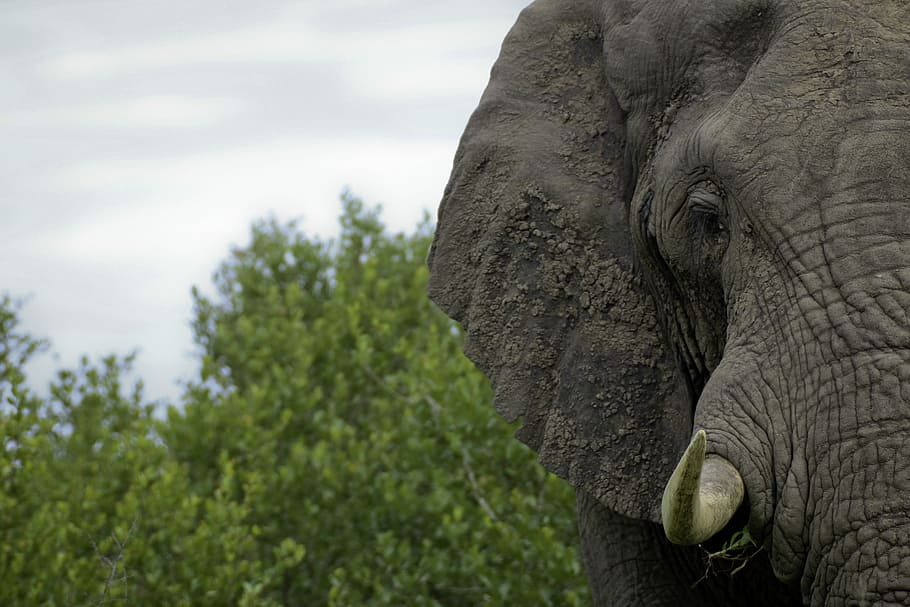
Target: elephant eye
<point x="705" y="203"/>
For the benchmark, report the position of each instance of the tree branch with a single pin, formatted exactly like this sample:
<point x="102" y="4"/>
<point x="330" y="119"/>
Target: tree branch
<point x="476" y="488"/>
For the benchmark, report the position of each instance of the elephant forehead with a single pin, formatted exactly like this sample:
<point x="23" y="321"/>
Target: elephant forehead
<point x="658" y="50"/>
<point x="765" y="88"/>
<point x="826" y="110"/>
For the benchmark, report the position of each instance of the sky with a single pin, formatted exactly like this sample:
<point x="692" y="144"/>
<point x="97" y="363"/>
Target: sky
<point x="141" y="138"/>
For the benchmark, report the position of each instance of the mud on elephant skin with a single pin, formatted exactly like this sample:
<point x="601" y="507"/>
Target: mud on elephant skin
<point x="675" y="222"/>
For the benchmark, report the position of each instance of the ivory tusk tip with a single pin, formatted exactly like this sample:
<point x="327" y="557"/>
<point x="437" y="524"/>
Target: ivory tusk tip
<point x="702" y="495"/>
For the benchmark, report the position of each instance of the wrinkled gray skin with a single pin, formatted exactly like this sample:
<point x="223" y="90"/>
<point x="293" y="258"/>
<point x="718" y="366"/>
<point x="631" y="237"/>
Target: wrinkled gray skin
<point x="667" y="216"/>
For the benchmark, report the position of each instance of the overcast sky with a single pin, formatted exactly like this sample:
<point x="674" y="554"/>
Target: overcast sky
<point x="142" y="137"/>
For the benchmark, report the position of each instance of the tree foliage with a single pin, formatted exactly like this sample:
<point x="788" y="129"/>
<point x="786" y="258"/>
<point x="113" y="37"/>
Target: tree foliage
<point x="335" y="449"/>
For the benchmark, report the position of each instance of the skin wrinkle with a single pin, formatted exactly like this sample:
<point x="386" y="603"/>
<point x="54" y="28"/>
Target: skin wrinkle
<point x="755" y="348"/>
<point x="761" y="422"/>
<point x="790" y="131"/>
<point x="836" y="453"/>
<point x="686" y="323"/>
<point x="773" y="313"/>
<point x="826" y="300"/>
<point x="786" y="471"/>
<point x="879" y="523"/>
<point x="820" y="293"/>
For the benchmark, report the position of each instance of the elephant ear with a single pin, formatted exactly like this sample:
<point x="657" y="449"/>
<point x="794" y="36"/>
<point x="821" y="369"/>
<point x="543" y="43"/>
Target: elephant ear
<point x="533" y="256"/>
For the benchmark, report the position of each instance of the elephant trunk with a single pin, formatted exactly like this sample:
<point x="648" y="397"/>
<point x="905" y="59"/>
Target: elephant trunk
<point x="874" y="575"/>
<point x="869" y="566"/>
<point x="861" y="524"/>
<point x="701" y="496"/>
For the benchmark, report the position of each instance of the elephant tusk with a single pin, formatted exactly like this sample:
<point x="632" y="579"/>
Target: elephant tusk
<point x="701" y="496"/>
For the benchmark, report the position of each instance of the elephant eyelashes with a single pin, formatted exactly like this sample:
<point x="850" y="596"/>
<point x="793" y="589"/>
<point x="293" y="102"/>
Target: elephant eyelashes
<point x="706" y="207"/>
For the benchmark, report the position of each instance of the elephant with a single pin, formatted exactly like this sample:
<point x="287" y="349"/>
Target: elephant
<point x="677" y="236"/>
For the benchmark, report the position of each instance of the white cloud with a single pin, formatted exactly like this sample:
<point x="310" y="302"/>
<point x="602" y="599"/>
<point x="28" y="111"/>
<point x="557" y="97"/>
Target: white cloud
<point x="425" y="80"/>
<point x="154" y="112"/>
<point x="198" y="203"/>
<point x="280" y="42"/>
<point x="123" y="233"/>
<point x="122" y="276"/>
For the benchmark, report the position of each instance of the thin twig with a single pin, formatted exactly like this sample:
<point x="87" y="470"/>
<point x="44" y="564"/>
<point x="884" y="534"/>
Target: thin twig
<point x="435" y="407"/>
<point x="473" y="479"/>
<point x="113" y="563"/>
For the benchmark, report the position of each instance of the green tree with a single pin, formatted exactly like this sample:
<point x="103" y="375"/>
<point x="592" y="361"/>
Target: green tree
<point x="76" y="469"/>
<point x="337" y="412"/>
<point x="336" y="449"/>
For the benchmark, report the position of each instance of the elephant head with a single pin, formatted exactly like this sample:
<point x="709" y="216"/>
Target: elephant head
<point x="675" y="223"/>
